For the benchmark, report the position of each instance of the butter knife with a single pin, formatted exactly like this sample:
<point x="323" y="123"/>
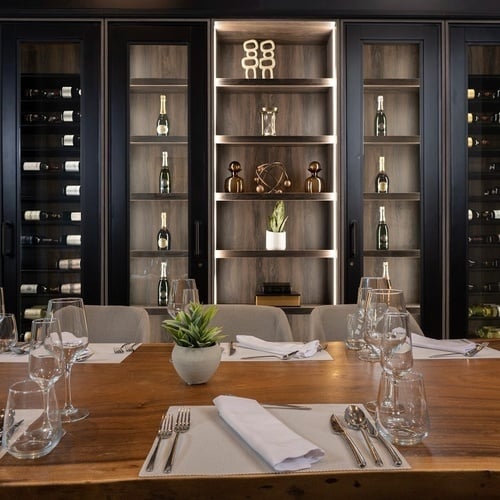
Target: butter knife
<point x="338" y="429"/>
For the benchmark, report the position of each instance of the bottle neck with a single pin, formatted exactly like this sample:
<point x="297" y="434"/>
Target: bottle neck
<point x="380" y="103"/>
<point x="381" y="164"/>
<point x="163" y="271"/>
<point x="163" y="105"/>
<point x="382" y="215"/>
<point x="164" y="220"/>
<point x="164" y="159"/>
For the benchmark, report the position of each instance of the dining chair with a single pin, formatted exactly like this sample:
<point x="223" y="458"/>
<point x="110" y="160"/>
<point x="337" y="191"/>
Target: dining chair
<point x="117" y="323"/>
<point x="265" y="322"/>
<point x="329" y="322"/>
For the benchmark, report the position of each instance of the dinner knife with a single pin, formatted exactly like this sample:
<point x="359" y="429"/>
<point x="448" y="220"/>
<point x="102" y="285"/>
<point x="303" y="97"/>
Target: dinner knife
<point x="338" y="429"/>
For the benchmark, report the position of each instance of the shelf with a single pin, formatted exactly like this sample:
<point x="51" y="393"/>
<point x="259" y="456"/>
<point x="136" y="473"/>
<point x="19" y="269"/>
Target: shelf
<point x="392" y="139"/>
<point x="153" y="139"/>
<point x="276" y="196"/>
<point x="302" y="85"/>
<point x="155" y="85"/>
<point x="391" y="196"/>
<point x="158" y="196"/>
<point x="284" y="140"/>
<point x="157" y="253"/>
<point x="414" y="253"/>
<point x="391" y="83"/>
<point x="225" y="254"/>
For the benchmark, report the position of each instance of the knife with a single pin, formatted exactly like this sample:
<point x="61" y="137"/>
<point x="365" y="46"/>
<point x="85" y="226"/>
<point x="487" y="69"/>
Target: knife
<point x="372" y="430"/>
<point x="232" y="349"/>
<point x="338" y="429"/>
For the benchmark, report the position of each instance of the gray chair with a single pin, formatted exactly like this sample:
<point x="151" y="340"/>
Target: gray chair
<point x="329" y="322"/>
<point x="265" y="322"/>
<point x="117" y="323"/>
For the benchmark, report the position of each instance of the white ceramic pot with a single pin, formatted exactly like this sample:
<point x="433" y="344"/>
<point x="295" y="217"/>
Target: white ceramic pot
<point x="195" y="365"/>
<point x="275" y="241"/>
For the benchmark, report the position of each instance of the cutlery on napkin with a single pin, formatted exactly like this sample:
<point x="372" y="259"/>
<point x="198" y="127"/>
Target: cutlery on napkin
<point x="276" y="443"/>
<point x="457" y="346"/>
<point x="279" y="348"/>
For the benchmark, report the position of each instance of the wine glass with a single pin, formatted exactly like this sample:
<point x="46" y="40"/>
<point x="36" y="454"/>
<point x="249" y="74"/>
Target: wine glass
<point x="8" y="331"/>
<point x="75" y="338"/>
<point x="176" y="296"/>
<point x="2" y="301"/>
<point x="46" y="360"/>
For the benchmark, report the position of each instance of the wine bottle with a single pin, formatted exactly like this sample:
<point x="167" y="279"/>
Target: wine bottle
<point x="72" y="166"/>
<point x="482" y="118"/>
<point x="66" y="92"/>
<point x="69" y="264"/>
<point x="70" y="140"/>
<point x="382" y="231"/>
<point x="41" y="215"/>
<point x="42" y="166"/>
<point x="35" y="118"/>
<point x="35" y="312"/>
<point x="72" y="240"/>
<point x="385" y="273"/>
<point x="163" y="286"/>
<point x="162" y="126"/>
<point x="473" y="214"/>
<point x="163" y="239"/>
<point x="64" y="117"/>
<point x="33" y="288"/>
<point x="473" y="142"/>
<point x="34" y="239"/>
<point x="380" y="118"/>
<point x="482" y="94"/>
<point x="67" y="288"/>
<point x="165" y="179"/>
<point x="382" y="179"/>
<point x="71" y="190"/>
<point x="33" y="93"/>
<point x="491" y="214"/>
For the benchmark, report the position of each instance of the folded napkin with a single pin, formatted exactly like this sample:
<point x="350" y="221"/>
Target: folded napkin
<point x="457" y="346"/>
<point x="279" y="348"/>
<point x="276" y="443"/>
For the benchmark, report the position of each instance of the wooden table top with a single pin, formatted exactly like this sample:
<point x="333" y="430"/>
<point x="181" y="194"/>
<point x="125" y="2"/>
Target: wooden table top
<point x="100" y="457"/>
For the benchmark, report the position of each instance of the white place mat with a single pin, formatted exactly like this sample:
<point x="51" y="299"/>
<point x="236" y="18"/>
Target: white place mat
<point x="425" y="353"/>
<point x="103" y="353"/>
<point x="242" y="352"/>
<point x="212" y="448"/>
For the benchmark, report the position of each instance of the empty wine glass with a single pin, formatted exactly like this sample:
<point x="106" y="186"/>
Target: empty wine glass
<point x="8" y="331"/>
<point x="75" y="338"/>
<point x="395" y="345"/>
<point x="176" y="296"/>
<point x="379" y="302"/>
<point x="2" y="301"/>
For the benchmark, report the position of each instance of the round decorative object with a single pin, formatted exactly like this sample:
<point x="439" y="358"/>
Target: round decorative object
<point x="196" y="365"/>
<point x="271" y="178"/>
<point x="314" y="183"/>
<point x="234" y="183"/>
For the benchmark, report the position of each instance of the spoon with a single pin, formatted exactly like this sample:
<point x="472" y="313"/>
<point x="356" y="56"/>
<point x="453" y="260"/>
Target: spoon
<point x="356" y="419"/>
<point x="22" y="349"/>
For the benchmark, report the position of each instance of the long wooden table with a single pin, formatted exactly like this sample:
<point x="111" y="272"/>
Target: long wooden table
<point x="100" y="457"/>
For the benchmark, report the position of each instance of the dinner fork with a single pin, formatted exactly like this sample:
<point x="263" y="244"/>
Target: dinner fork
<point x="164" y="431"/>
<point x="182" y="424"/>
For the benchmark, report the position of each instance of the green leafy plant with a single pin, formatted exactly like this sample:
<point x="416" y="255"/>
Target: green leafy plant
<point x="277" y="220"/>
<point x="190" y="328"/>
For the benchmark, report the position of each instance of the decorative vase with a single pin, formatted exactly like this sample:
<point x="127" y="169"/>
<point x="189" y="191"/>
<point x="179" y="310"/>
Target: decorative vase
<point x="234" y="183"/>
<point x="314" y="183"/>
<point x="275" y="241"/>
<point x="196" y="365"/>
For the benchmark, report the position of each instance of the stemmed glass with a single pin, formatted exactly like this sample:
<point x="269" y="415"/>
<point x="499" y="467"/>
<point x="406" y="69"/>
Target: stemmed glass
<point x="46" y="360"/>
<point x="2" y="301"/>
<point x="8" y="331"/>
<point x="75" y="338"/>
<point x="379" y="302"/>
<point x="182" y="292"/>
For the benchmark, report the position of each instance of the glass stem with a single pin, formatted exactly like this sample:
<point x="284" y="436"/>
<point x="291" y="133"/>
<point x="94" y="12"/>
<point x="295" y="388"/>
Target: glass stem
<point x="68" y="403"/>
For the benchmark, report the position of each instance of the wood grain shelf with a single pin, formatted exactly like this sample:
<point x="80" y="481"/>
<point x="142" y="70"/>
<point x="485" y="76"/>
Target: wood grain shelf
<point x="226" y="254"/>
<point x="153" y="139"/>
<point x="275" y="196"/>
<point x="158" y="196"/>
<point x="303" y="140"/>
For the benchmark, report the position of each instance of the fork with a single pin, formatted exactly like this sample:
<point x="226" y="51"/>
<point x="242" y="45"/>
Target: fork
<point x="182" y="424"/>
<point x="284" y="357"/>
<point x="121" y="349"/>
<point x="164" y="431"/>
<point x="468" y="354"/>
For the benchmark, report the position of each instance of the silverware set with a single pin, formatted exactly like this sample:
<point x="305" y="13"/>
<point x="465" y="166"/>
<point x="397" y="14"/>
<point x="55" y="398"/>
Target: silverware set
<point x="165" y="430"/>
<point x="127" y="347"/>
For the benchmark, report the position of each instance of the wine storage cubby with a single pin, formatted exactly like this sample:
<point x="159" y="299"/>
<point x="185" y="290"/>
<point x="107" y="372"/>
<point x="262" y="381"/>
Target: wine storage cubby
<point x="304" y="94"/>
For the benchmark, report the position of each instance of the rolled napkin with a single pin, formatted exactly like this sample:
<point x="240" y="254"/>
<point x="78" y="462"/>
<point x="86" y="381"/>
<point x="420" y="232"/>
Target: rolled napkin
<point x="457" y="346"/>
<point x="279" y="348"/>
<point x="277" y="444"/>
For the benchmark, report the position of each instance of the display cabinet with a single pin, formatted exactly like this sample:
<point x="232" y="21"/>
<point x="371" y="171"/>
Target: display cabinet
<point x="51" y="225"/>
<point x="301" y="94"/>
<point x="475" y="179"/>
<point x="401" y="63"/>
<point x="151" y="60"/>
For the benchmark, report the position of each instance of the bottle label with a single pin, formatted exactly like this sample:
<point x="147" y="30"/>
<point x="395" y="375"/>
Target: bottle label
<point x="67" y="116"/>
<point x="34" y="312"/>
<point x="72" y="166"/>
<point x="71" y="288"/>
<point x="68" y="140"/>
<point x="162" y="243"/>
<point x="76" y="216"/>
<point x="72" y="190"/>
<point x="69" y="264"/>
<point x="31" y="166"/>
<point x="382" y="187"/>
<point x="66" y="92"/>
<point x="32" y="215"/>
<point x="29" y="288"/>
<point x="162" y="130"/>
<point x="73" y="239"/>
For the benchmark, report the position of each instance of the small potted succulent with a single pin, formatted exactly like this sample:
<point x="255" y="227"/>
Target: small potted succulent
<point x="196" y="354"/>
<point x="275" y="231"/>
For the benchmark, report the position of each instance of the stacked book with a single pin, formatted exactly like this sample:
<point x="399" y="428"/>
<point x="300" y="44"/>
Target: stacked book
<point x="276" y="294"/>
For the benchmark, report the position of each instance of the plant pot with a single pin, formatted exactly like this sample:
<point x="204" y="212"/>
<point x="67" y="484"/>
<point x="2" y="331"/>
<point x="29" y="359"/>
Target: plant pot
<point x="275" y="241"/>
<point x="195" y="365"/>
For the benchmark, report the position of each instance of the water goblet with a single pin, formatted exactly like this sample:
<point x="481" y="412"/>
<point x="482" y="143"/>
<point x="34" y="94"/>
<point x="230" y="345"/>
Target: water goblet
<point x="176" y="296"/>
<point x="75" y="338"/>
<point x="8" y="331"/>
<point x="395" y="346"/>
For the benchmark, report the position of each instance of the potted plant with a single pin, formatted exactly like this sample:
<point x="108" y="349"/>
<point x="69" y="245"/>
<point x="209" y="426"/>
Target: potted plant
<point x="196" y="354"/>
<point x="275" y="232"/>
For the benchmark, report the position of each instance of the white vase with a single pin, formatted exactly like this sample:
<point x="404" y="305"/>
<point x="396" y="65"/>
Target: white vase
<point x="275" y="241"/>
<point x="195" y="365"/>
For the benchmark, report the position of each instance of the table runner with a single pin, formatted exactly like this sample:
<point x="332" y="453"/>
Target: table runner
<point x="211" y="448"/>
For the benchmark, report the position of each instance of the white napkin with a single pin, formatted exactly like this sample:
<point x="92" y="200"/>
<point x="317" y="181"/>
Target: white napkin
<point x="280" y="348"/>
<point x="442" y="345"/>
<point x="276" y="443"/>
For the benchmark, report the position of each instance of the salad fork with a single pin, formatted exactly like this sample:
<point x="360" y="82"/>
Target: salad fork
<point x="164" y="431"/>
<point x="182" y="424"/>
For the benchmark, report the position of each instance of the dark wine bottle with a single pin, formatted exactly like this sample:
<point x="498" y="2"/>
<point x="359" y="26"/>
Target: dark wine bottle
<point x="380" y="118"/>
<point x="491" y="214"/>
<point x="165" y="179"/>
<point x="163" y="239"/>
<point x="67" y="288"/>
<point x="33" y="288"/>
<point x="382" y="179"/>
<point x="163" y="286"/>
<point x="34" y="239"/>
<point x="473" y="214"/>
<point x="473" y="142"/>
<point x="41" y="215"/>
<point x="482" y="118"/>
<point x="35" y="118"/>
<point x="66" y="92"/>
<point x="382" y="231"/>
<point x="67" y="116"/>
<point x="482" y="94"/>
<point x="162" y="125"/>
